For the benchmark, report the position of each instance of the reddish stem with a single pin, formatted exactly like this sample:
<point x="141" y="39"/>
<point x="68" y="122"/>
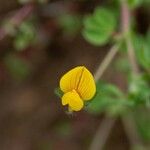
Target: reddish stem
<point x="125" y="25"/>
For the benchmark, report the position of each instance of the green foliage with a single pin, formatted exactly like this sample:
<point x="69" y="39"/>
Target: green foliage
<point x="139" y="90"/>
<point x="122" y="64"/>
<point x="99" y="27"/>
<point x="25" y="36"/>
<point x="134" y="3"/>
<point x="17" y="67"/>
<point x="144" y="128"/>
<point x="70" y="24"/>
<point x="142" y="120"/>
<point x="142" y="48"/>
<point x="109" y="98"/>
<point x="58" y="92"/>
<point x="146" y="2"/>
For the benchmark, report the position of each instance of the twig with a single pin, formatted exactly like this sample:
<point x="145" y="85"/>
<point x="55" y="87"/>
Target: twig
<point x="125" y="13"/>
<point x="102" y="133"/>
<point x="128" y="121"/>
<point x="105" y="63"/>
<point x="18" y="17"/>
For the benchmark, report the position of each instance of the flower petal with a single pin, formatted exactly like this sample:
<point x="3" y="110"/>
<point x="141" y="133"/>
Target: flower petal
<point x="70" y="80"/>
<point x="81" y="80"/>
<point x="86" y="87"/>
<point x="73" y="100"/>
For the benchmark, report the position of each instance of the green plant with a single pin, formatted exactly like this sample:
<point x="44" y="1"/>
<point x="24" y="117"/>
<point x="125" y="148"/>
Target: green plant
<point x="103" y="27"/>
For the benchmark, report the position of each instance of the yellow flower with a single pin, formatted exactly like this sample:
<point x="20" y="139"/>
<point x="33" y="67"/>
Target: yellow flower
<point x="78" y="86"/>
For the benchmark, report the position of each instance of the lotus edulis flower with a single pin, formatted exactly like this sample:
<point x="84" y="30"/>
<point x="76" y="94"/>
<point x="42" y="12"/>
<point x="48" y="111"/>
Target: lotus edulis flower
<point x="78" y="86"/>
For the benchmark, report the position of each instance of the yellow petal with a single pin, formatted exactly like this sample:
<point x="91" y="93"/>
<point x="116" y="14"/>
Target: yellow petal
<point x="86" y="87"/>
<point x="71" y="79"/>
<point x="73" y="100"/>
<point x="81" y="80"/>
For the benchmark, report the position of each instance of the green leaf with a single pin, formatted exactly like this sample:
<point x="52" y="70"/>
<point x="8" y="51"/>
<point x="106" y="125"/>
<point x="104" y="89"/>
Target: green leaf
<point x="142" y="49"/>
<point x="25" y="36"/>
<point x="99" y="26"/>
<point x="134" y="3"/>
<point x="58" y="92"/>
<point x="139" y="90"/>
<point x="70" y="23"/>
<point x="122" y="64"/>
<point x="142" y="120"/>
<point x="108" y="98"/>
<point x="102" y="16"/>
<point x="99" y="104"/>
<point x="94" y="38"/>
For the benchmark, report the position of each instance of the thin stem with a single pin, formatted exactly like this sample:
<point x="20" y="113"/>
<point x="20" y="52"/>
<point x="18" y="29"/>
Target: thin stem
<point x="130" y="129"/>
<point x="125" y="25"/>
<point x="105" y="63"/>
<point x="128" y="122"/>
<point x="105" y="127"/>
<point x="131" y="56"/>
<point x="102" y="134"/>
<point x="107" y="124"/>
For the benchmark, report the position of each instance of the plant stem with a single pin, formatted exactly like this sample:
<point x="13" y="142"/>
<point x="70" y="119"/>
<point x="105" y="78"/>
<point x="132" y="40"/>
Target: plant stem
<point x="105" y="63"/>
<point x="102" y="133"/>
<point x="105" y="127"/>
<point x="125" y="25"/>
<point x="131" y="131"/>
<point x="128" y="121"/>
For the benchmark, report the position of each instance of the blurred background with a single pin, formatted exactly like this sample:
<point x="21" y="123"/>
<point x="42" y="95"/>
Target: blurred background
<point x="39" y="41"/>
